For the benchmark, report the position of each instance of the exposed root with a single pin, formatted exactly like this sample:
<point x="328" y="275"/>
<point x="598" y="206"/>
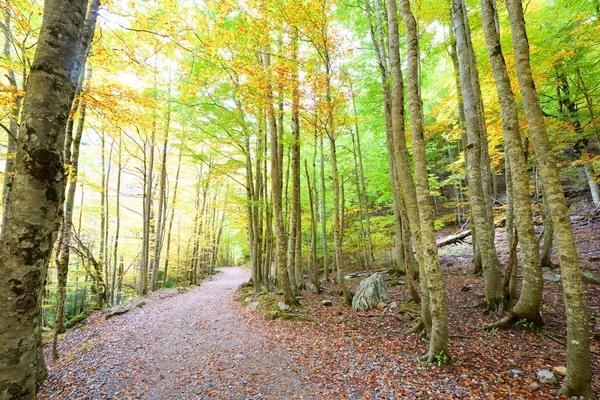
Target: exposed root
<point x="419" y="328"/>
<point x="576" y="392"/>
<point x="504" y="323"/>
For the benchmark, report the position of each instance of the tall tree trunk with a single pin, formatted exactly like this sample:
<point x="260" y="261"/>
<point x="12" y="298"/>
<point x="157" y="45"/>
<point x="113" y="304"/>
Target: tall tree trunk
<point x="62" y="264"/>
<point x="15" y="110"/>
<point x="478" y="267"/>
<point x="361" y="214"/>
<point x="323" y="210"/>
<point x="312" y="256"/>
<point x="38" y="186"/>
<point x="103" y="214"/>
<point x="438" y="345"/>
<point x="579" y="373"/>
<point x="276" y="189"/>
<point x="294" y="228"/>
<point x="379" y="45"/>
<point x="494" y="293"/>
<point x="160" y="227"/>
<point x="529" y="302"/>
<point x="363" y="189"/>
<point x="172" y="216"/>
<point x="142" y="288"/>
<point x="117" y="220"/>
<point x="404" y="177"/>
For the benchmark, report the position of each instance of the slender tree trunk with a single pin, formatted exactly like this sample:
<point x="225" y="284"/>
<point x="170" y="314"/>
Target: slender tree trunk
<point x="361" y="214"/>
<point x="15" y="110"/>
<point x="117" y="220"/>
<point x="477" y="262"/>
<point x="363" y="189"/>
<point x="438" y="344"/>
<point x="172" y="216"/>
<point x="494" y="293"/>
<point x="65" y="245"/>
<point x="591" y="180"/>
<point x="313" y="266"/>
<point x="276" y="189"/>
<point x="379" y="45"/>
<point x="30" y="223"/>
<point x="323" y="211"/>
<point x="529" y="302"/>
<point x="160" y="227"/>
<point x="404" y="177"/>
<point x="578" y="379"/>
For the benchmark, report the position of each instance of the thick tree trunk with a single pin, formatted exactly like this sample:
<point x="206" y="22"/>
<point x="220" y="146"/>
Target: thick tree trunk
<point x="404" y="177"/>
<point x="578" y="378"/>
<point x="438" y="344"/>
<point x="38" y="186"/>
<point x="529" y="302"/>
<point x="484" y="225"/>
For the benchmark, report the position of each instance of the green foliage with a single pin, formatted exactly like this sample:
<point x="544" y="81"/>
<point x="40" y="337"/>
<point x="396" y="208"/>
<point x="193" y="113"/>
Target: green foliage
<point x="441" y="358"/>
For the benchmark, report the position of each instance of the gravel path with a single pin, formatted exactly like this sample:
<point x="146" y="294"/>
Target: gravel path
<point x="190" y="346"/>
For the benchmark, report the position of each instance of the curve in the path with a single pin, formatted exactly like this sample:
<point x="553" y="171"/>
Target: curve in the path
<point x="191" y="346"/>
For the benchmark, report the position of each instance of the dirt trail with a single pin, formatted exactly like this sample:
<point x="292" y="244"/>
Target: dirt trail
<point x="191" y="346"/>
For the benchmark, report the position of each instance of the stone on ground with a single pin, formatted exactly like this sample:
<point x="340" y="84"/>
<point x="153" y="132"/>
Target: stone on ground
<point x="371" y="291"/>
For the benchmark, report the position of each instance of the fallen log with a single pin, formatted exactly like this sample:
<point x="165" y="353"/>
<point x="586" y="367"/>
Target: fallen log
<point x="454" y="239"/>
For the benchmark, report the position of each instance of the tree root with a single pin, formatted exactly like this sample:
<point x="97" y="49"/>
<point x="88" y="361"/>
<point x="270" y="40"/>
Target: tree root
<point x="504" y="323"/>
<point x="513" y="318"/>
<point x="570" y="392"/>
<point x="419" y="328"/>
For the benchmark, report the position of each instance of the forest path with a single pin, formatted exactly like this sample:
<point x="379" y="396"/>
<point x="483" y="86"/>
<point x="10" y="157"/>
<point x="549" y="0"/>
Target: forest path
<point x="190" y="346"/>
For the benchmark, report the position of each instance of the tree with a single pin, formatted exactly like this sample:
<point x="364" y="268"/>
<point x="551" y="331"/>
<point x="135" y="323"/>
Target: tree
<point x="34" y="205"/>
<point x="483" y="221"/>
<point x="438" y="344"/>
<point x="578" y="379"/>
<point x="531" y="294"/>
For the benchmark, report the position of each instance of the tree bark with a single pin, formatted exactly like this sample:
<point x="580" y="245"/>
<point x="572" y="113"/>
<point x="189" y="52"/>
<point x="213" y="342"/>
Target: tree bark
<point x="276" y="194"/>
<point x="404" y="177"/>
<point x="15" y="111"/>
<point x="484" y="225"/>
<point x="38" y="186"/>
<point x="170" y="228"/>
<point x="438" y="344"/>
<point x="160" y="227"/>
<point x="578" y="379"/>
<point x="529" y="302"/>
<point x="62" y="264"/>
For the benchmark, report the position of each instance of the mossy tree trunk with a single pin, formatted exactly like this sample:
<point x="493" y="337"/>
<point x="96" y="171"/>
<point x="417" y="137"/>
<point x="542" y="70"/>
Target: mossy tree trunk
<point x="528" y="306"/>
<point x="438" y="344"/>
<point x="36" y="194"/>
<point x="484" y="225"/>
<point x="579" y="373"/>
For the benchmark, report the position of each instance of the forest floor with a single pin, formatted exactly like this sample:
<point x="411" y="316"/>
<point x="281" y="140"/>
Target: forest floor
<point x="350" y="355"/>
<point x="205" y="344"/>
